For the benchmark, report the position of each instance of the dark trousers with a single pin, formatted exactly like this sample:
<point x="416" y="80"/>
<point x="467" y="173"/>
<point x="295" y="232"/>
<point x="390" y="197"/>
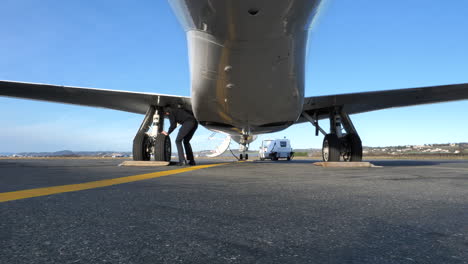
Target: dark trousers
<point x="186" y="132"/>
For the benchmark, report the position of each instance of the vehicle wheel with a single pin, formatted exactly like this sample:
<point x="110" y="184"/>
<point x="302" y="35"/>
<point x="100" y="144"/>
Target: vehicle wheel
<point x="289" y="158"/>
<point x="246" y="156"/>
<point x="141" y="147"/>
<point x="241" y="157"/>
<point x="331" y="148"/>
<point x="353" y="150"/>
<point x="162" y="148"/>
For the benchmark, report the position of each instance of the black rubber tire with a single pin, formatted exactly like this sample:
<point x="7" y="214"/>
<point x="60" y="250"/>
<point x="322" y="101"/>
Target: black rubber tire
<point x="162" y="148"/>
<point x="272" y="156"/>
<point x="246" y="156"/>
<point x="275" y="157"/>
<point x="355" y="146"/>
<point x="331" y="148"/>
<point x="141" y="148"/>
<point x="241" y="157"/>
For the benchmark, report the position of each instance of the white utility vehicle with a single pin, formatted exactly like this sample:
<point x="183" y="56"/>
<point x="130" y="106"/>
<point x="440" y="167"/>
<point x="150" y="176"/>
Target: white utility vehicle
<point x="276" y="149"/>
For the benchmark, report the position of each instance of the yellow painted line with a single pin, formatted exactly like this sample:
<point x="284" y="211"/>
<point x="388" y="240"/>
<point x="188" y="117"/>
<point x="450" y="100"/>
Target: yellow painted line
<point x="23" y="194"/>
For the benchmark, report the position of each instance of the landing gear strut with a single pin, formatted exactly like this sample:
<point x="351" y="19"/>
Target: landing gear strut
<point x="336" y="145"/>
<point x="145" y="143"/>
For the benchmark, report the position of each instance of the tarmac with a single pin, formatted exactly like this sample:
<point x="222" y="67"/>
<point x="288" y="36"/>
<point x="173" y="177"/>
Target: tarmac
<point x="93" y="211"/>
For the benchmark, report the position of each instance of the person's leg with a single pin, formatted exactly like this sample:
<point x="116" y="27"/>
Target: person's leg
<point x="187" y="146"/>
<point x="180" y="150"/>
<point x="184" y="130"/>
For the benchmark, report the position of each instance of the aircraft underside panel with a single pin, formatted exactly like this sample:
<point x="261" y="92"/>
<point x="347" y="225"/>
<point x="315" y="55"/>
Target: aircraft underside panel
<point x="247" y="61"/>
<point x="252" y="86"/>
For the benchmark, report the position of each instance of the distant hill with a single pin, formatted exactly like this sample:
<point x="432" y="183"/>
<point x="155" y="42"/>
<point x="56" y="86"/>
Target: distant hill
<point x="69" y="153"/>
<point x="426" y="149"/>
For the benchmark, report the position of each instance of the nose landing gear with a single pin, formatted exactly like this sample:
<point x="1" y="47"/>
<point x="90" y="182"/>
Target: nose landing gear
<point x="244" y="155"/>
<point x="244" y="147"/>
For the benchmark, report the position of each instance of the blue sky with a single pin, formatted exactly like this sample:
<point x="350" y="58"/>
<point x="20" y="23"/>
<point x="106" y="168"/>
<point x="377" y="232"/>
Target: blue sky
<point x="362" y="45"/>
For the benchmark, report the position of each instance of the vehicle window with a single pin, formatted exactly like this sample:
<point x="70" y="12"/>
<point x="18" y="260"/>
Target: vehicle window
<point x="283" y="144"/>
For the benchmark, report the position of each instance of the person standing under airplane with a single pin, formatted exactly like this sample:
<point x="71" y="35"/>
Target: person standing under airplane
<point x="188" y="128"/>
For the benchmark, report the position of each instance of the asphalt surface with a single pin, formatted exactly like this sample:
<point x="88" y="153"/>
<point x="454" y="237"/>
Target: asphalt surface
<point x="248" y="212"/>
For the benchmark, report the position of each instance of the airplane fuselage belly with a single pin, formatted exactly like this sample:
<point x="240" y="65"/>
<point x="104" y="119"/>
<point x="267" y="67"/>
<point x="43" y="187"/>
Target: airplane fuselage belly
<point x="254" y="86"/>
<point x="246" y="61"/>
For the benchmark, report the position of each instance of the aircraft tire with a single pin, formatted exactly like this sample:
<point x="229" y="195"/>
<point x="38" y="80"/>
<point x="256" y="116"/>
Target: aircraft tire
<point x="355" y="147"/>
<point x="162" y="148"/>
<point x="241" y="157"/>
<point x="246" y="156"/>
<point x="141" y="148"/>
<point x="331" y="148"/>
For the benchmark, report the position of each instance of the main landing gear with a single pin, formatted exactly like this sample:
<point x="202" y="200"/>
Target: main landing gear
<point x="146" y="143"/>
<point x="336" y="145"/>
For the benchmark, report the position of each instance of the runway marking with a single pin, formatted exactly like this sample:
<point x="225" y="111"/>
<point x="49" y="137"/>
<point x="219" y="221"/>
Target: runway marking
<point x="30" y="193"/>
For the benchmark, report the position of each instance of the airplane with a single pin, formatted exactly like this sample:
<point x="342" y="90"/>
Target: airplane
<point x="239" y="51"/>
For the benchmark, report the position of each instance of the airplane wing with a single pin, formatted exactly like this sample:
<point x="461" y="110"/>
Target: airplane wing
<point x="133" y="102"/>
<point x="355" y="103"/>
